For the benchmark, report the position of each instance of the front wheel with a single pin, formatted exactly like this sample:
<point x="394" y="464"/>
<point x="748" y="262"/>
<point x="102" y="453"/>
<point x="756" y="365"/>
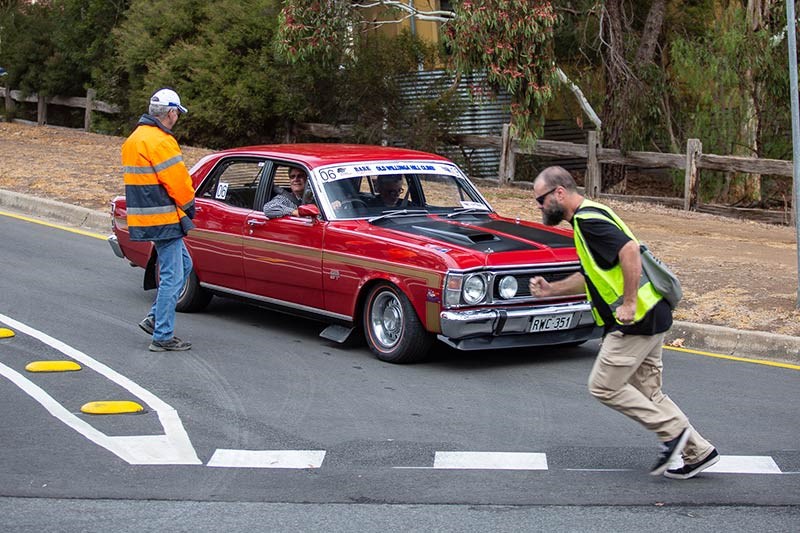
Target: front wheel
<point x="391" y="327"/>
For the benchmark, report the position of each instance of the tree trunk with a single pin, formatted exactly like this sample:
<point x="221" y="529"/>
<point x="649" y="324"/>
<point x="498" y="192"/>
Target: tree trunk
<point x="622" y="82"/>
<point x="746" y="188"/>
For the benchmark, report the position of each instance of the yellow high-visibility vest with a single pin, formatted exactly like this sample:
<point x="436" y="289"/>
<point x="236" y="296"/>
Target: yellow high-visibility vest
<point x="609" y="283"/>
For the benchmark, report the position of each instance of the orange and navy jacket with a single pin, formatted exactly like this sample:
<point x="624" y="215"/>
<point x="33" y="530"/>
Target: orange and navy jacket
<point x="158" y="188"/>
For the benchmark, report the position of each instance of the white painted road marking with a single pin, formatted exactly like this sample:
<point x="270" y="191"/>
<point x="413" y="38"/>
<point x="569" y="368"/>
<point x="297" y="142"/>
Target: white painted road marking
<point x="174" y="447"/>
<point x="490" y="461"/>
<point x="728" y="464"/>
<point x="745" y="464"/>
<point x="267" y="458"/>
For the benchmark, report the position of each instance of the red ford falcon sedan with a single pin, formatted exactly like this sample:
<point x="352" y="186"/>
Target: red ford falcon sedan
<point x="392" y="244"/>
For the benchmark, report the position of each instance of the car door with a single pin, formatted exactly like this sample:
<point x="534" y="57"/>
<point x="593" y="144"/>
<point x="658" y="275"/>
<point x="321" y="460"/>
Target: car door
<point x="283" y="256"/>
<point x="223" y="202"/>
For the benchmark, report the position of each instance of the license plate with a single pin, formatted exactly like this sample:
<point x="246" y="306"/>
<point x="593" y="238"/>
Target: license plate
<point x="551" y="322"/>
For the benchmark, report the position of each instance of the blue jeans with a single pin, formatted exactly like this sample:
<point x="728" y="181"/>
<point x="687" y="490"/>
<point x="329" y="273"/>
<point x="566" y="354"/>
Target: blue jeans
<point x="174" y="267"/>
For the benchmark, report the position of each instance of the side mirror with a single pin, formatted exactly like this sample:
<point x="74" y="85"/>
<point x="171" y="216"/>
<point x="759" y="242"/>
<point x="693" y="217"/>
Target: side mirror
<point x="308" y="210"/>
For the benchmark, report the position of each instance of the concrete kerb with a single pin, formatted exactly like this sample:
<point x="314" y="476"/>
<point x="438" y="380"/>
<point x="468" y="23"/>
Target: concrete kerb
<point x="735" y="342"/>
<point x="717" y="339"/>
<point x="72" y="215"/>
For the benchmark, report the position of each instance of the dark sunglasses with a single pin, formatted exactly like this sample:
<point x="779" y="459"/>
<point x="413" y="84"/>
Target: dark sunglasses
<point x="543" y="197"/>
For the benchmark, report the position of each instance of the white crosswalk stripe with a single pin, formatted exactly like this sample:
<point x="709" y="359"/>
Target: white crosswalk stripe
<point x="490" y="461"/>
<point x="459" y="460"/>
<point x="745" y="464"/>
<point x="267" y="458"/>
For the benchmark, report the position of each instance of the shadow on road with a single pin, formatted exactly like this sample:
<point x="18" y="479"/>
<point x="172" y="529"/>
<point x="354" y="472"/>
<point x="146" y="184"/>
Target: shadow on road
<point x="441" y="355"/>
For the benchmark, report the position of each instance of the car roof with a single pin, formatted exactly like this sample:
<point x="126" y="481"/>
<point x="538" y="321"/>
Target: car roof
<point x="319" y="154"/>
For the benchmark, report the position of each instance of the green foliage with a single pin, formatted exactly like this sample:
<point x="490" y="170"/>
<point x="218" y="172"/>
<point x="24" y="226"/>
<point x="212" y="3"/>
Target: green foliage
<point x="512" y="41"/>
<point x="315" y="30"/>
<point x="709" y="74"/>
<point x="368" y="95"/>
<point x="223" y="63"/>
<point x="50" y="47"/>
<point x="726" y="77"/>
<point x="216" y="55"/>
<point x="26" y="45"/>
<point x="142" y="42"/>
<point x="363" y="83"/>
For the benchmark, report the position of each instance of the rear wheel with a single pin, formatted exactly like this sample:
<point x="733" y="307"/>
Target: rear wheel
<point x="193" y="297"/>
<point x="391" y="327"/>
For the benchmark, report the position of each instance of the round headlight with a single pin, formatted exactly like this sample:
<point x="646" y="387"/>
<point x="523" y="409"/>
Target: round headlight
<point x="474" y="289"/>
<point x="508" y="287"/>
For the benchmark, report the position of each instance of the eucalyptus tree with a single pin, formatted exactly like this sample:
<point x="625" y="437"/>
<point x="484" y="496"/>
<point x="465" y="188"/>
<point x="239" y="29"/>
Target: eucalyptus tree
<point x="510" y="40"/>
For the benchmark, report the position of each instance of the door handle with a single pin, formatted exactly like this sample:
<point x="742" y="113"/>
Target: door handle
<point x="255" y="222"/>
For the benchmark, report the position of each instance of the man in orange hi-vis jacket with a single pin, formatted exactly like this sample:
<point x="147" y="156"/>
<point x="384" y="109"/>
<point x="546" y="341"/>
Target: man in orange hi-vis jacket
<point x="160" y="206"/>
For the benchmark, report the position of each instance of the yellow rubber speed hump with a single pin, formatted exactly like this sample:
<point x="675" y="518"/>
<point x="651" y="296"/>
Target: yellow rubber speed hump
<point x="52" y="366"/>
<point x="5" y="333"/>
<point x="111" y="408"/>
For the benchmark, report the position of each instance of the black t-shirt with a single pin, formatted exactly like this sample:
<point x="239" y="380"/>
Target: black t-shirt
<point x="604" y="240"/>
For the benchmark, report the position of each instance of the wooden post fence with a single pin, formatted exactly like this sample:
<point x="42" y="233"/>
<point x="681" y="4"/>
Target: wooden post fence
<point x="9" y="102"/>
<point x="694" y="148"/>
<point x="591" y="180"/>
<point x="88" y="103"/>
<point x="690" y="162"/>
<point x="41" y="110"/>
<point x="87" y="116"/>
<point x="507" y="157"/>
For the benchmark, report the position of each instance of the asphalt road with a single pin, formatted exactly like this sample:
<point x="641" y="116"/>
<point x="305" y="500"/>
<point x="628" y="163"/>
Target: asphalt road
<point x="333" y="428"/>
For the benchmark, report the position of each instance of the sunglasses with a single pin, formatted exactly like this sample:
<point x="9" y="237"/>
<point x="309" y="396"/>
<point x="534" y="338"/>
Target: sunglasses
<point x="542" y="198"/>
<point x="297" y="176"/>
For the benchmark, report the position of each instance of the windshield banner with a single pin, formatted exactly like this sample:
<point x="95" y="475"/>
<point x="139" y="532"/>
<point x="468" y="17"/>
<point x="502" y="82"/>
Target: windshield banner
<point x="334" y="173"/>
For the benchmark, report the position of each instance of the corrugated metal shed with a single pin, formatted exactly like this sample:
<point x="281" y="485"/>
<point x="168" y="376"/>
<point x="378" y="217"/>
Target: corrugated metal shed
<point x="482" y="116"/>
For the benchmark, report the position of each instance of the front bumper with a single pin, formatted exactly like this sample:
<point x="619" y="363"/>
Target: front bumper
<point x="508" y="328"/>
<point x="112" y="240"/>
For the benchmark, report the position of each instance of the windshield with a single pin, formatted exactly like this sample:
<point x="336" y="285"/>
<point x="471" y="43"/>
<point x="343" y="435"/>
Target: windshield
<point x="398" y="188"/>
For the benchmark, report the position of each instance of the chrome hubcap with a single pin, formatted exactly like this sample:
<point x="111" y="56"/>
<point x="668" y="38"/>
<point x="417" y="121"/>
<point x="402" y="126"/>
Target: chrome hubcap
<point x="386" y="317"/>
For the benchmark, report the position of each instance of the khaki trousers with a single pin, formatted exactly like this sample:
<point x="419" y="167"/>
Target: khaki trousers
<point x="627" y="377"/>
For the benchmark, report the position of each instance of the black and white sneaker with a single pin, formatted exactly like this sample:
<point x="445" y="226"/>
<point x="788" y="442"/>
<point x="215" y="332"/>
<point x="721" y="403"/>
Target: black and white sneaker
<point x="148" y="325"/>
<point x="170" y="345"/>
<point x="691" y="470"/>
<point x="669" y="451"/>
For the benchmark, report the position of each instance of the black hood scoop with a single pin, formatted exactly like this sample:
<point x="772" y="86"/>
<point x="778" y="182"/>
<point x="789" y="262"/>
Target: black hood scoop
<point x="458" y="235"/>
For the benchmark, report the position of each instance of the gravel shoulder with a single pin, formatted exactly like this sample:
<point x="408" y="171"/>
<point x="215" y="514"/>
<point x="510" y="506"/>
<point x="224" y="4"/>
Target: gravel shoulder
<point x="735" y="273"/>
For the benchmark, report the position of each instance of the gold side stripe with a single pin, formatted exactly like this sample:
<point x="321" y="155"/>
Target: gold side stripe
<point x="288" y="249"/>
<point x="208" y="235"/>
<point x="432" y="280"/>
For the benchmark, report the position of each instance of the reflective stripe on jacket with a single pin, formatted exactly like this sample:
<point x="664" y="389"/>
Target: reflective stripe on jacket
<point x="610" y="283"/>
<point x="158" y="188"/>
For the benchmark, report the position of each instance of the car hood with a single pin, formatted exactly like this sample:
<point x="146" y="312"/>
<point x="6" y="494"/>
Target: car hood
<point x="514" y="241"/>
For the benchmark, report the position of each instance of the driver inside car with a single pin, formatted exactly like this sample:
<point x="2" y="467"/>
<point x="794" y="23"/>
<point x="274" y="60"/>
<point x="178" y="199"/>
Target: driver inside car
<point x="389" y="189"/>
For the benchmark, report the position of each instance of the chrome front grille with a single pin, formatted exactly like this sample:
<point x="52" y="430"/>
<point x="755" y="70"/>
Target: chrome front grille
<point x="523" y="293"/>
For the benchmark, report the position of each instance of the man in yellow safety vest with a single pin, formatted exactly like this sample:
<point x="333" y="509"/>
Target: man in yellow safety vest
<point x="626" y="375"/>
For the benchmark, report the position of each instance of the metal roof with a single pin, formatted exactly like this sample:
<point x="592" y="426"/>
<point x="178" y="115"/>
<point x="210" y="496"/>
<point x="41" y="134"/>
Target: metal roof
<point x="320" y="154"/>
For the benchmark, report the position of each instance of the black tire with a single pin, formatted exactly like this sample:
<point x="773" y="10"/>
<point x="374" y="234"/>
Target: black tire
<point x="193" y="297"/>
<point x="391" y="327"/>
